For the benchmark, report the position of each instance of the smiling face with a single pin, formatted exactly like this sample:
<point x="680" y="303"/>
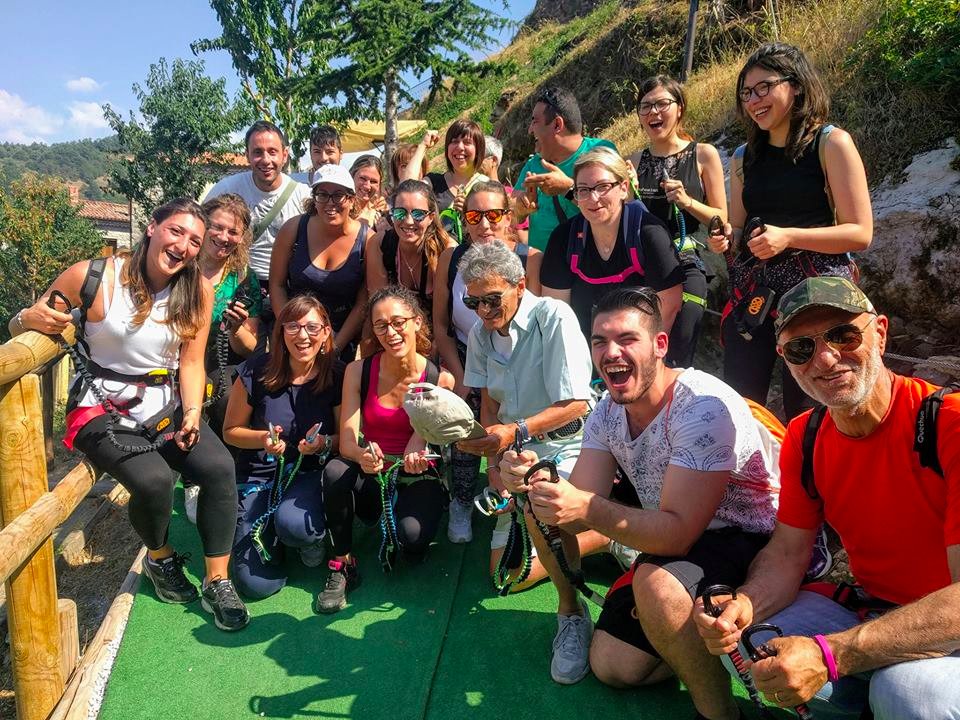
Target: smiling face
<point x="328" y="211"/>
<point x="773" y="111"/>
<point x="660" y="124"/>
<point x="600" y="209"/>
<point x="401" y="340"/>
<point x="267" y="157"/>
<point x="835" y="378"/>
<point x="408" y="229"/>
<point x="328" y="154"/>
<point x="303" y="347"/>
<point x="626" y="354"/>
<point x="462" y="153"/>
<point x="485" y="231"/>
<point x="497" y="319"/>
<point x="224" y="235"/>
<point x="367" y="182"/>
<point x="174" y="242"/>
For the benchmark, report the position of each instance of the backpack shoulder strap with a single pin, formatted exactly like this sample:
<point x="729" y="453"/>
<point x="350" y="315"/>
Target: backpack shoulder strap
<point x="576" y="240"/>
<point x="275" y="210"/>
<point x="806" y="450"/>
<point x="821" y="152"/>
<point x="388" y="251"/>
<point x="91" y="286"/>
<point x="365" y="380"/>
<point x="736" y="162"/>
<point x="925" y="437"/>
<point x="433" y="372"/>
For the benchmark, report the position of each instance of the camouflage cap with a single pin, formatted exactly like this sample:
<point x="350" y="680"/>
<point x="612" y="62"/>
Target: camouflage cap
<point x="834" y="292"/>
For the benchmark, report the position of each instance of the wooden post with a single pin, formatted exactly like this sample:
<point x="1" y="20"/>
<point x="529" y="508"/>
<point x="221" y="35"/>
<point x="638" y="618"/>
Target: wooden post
<point x="691" y="40"/>
<point x="69" y="637"/>
<point x="47" y="393"/>
<point x="32" y="590"/>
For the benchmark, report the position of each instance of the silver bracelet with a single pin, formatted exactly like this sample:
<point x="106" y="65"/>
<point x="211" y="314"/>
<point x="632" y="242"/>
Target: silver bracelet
<point x="19" y="319"/>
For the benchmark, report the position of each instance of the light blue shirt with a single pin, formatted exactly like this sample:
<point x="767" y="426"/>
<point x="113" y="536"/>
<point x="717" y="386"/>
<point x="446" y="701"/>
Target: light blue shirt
<point x="549" y="362"/>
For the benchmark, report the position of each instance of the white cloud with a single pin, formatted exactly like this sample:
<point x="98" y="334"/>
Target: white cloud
<point x="87" y="116"/>
<point x="83" y="85"/>
<point x="22" y="122"/>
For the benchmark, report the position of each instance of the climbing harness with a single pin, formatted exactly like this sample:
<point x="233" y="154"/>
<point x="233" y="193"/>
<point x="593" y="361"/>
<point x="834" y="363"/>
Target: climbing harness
<point x="743" y="671"/>
<point x="765" y="651"/>
<point x="281" y="481"/>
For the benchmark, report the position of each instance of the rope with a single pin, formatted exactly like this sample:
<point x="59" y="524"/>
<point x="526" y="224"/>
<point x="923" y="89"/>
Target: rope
<point x="390" y="540"/>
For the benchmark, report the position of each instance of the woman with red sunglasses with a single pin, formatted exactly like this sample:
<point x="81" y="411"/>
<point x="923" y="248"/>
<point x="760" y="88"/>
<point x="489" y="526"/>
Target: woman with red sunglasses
<point x="488" y="218"/>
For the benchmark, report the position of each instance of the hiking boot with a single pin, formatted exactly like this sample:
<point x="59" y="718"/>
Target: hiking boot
<point x="571" y="647"/>
<point x="169" y="581"/>
<point x="313" y="555"/>
<point x="459" y="528"/>
<point x="343" y="578"/>
<point x="625" y="556"/>
<point x="821" y="562"/>
<point x="221" y="599"/>
<point x="191" y="494"/>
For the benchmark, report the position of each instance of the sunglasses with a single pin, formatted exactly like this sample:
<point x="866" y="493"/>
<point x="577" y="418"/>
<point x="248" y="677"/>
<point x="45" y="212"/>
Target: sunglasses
<point x="313" y="328"/>
<point x="494" y="216"/>
<point x="399" y="214"/>
<point x="492" y="301"/>
<point x="845" y="337"/>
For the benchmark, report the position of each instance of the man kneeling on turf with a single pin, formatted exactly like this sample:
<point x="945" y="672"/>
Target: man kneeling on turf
<point x="895" y="507"/>
<point x="696" y="457"/>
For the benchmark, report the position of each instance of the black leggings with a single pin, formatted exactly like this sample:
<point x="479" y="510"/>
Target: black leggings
<point x="466" y="466"/>
<point x="348" y="492"/>
<point x="686" y="326"/>
<point x="149" y="478"/>
<point x="748" y="367"/>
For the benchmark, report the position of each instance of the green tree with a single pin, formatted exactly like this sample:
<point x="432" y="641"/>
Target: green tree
<point x="41" y="234"/>
<point x="377" y="44"/>
<point x="269" y="49"/>
<point x="184" y="136"/>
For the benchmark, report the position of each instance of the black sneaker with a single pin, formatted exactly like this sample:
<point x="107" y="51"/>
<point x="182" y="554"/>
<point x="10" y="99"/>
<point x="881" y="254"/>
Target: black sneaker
<point x="169" y="580"/>
<point x="221" y="599"/>
<point x="343" y="578"/>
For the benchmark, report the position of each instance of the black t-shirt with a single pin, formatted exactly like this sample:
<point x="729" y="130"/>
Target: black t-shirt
<point x="661" y="269"/>
<point x="296" y="408"/>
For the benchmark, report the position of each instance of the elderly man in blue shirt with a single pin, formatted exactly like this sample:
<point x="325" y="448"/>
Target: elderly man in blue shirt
<point x="532" y="366"/>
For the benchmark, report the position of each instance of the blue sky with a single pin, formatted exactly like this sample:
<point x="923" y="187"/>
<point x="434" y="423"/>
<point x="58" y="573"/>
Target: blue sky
<point x="62" y="60"/>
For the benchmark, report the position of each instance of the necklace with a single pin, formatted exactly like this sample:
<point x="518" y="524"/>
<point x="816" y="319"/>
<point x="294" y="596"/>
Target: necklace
<point x="413" y="277"/>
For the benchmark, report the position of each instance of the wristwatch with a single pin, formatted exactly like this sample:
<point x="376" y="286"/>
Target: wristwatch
<point x="524" y="432"/>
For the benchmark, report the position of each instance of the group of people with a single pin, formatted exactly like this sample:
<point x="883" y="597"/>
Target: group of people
<point x="309" y="304"/>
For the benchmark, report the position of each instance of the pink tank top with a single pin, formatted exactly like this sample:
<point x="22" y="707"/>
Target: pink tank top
<point x="387" y="427"/>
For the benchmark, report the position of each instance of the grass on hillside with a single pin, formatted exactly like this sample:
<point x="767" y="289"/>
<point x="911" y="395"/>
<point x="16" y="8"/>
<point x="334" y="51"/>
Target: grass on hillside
<point x="881" y="60"/>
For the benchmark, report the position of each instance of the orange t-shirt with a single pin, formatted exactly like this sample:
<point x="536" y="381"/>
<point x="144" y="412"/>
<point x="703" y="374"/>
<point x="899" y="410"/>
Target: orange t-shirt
<point x="895" y="518"/>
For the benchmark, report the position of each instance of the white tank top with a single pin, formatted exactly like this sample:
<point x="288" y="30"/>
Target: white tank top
<point x="117" y="344"/>
<point x="463" y="317"/>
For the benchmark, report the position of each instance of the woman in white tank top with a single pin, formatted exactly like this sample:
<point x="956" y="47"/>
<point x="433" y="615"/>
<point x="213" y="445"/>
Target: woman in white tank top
<point x="150" y="318"/>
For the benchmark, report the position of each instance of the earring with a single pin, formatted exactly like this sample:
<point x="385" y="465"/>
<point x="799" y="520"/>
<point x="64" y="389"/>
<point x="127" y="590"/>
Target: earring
<point x="323" y="349"/>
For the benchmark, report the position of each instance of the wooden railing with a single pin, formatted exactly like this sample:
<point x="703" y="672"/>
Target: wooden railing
<point x="44" y="645"/>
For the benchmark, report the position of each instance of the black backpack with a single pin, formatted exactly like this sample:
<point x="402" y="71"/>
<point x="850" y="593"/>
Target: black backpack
<point x="924" y="439"/>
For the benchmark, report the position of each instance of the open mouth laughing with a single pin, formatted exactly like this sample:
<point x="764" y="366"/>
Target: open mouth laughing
<point x="617" y="374"/>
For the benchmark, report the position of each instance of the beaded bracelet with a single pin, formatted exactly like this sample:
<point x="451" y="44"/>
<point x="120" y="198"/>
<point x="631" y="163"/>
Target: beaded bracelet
<point x="828" y="659"/>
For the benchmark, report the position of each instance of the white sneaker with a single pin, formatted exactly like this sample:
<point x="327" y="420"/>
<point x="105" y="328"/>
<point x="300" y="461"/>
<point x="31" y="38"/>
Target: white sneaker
<point x="571" y="647"/>
<point x="625" y="556"/>
<point x="459" y="528"/>
<point x="191" y="493"/>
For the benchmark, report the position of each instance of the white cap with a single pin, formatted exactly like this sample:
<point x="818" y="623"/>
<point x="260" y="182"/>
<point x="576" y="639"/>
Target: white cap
<point x="335" y="175"/>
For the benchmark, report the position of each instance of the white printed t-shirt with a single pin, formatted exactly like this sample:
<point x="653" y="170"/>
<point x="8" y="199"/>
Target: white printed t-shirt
<point x="706" y="426"/>
<point x="260" y="204"/>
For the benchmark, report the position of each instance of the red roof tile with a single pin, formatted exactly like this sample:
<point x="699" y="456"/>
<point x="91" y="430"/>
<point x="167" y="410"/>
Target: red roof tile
<point x="102" y="210"/>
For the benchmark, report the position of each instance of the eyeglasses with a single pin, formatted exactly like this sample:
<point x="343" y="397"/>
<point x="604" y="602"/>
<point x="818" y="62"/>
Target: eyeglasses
<point x="598" y="191"/>
<point x="493" y="216"/>
<point x="661" y="105"/>
<point x="492" y="301"/>
<point x="322" y="198"/>
<point x="397" y="323"/>
<point x="313" y="328"/>
<point x="399" y="214"/>
<point x="761" y="89"/>
<point x="845" y="337"/>
<point x="231" y="233"/>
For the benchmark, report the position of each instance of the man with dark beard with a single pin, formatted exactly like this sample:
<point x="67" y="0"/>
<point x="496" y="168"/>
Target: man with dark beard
<point x="707" y="480"/>
<point x="895" y="640"/>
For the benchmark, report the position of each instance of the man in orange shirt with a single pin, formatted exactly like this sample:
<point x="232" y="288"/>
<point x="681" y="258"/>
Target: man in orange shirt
<point x="896" y="643"/>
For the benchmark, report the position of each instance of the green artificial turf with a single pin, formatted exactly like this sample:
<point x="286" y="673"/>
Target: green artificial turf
<point x="427" y="642"/>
